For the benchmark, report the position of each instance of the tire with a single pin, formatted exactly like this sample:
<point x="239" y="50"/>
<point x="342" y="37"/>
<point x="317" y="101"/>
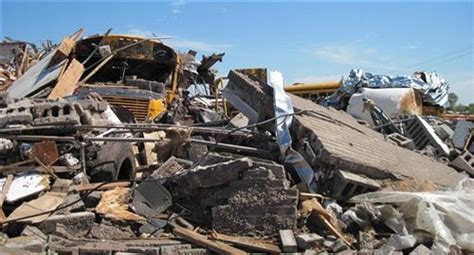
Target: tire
<point x="115" y="161"/>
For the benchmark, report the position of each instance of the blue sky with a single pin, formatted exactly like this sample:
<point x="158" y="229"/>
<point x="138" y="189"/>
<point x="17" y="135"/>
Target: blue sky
<point x="305" y="41"/>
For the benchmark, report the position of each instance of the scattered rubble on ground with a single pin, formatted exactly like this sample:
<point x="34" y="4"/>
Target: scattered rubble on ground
<point x="115" y="144"/>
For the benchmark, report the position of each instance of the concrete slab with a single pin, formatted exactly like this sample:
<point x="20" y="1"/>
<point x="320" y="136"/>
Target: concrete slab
<point x="338" y="140"/>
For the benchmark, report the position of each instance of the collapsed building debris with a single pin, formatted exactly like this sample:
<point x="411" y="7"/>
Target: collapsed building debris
<point x="332" y="139"/>
<point x="116" y="144"/>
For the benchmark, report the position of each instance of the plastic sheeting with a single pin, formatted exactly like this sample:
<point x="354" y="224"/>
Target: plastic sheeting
<point x="291" y="158"/>
<point x="445" y="217"/>
<point x="432" y="87"/>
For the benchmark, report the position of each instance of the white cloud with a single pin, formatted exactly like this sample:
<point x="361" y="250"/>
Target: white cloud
<point x="178" y="2"/>
<point x="355" y="56"/>
<point x="140" y="32"/>
<point x="412" y="47"/>
<point x="198" y="45"/>
<point x="181" y="43"/>
<point x="175" y="11"/>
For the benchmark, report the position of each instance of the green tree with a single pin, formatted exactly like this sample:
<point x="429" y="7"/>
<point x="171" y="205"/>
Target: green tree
<point x="471" y="108"/>
<point x="452" y="100"/>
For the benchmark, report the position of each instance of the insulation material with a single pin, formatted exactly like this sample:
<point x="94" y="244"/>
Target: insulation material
<point x="25" y="185"/>
<point x="432" y="87"/>
<point x="445" y="216"/>
<point x="114" y="204"/>
<point x="395" y="102"/>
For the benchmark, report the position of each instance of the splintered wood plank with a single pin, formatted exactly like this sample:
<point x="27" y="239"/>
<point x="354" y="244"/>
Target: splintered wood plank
<point x="204" y="241"/>
<point x="67" y="82"/>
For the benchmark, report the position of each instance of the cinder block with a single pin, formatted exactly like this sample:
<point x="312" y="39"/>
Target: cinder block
<point x="195" y="251"/>
<point x="56" y="113"/>
<point x="288" y="241"/>
<point x="423" y="134"/>
<point x="444" y="131"/>
<point x="346" y="185"/>
<point x="304" y="241"/>
<point x="257" y="105"/>
<point x="401" y="141"/>
<point x="464" y="162"/>
<point x="173" y="249"/>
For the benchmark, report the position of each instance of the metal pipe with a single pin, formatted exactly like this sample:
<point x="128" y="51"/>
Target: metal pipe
<point x="134" y="139"/>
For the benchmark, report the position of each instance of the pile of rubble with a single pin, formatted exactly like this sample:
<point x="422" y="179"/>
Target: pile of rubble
<point x="117" y="144"/>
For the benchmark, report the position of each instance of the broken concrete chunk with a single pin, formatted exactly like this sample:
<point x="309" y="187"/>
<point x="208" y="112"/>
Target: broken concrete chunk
<point x="341" y="143"/>
<point x="464" y="162"/>
<point x="423" y="134"/>
<point x="74" y="207"/>
<point x="193" y="251"/>
<point x="238" y="121"/>
<point x="421" y="250"/>
<point x="30" y="230"/>
<point x="76" y="224"/>
<point x="346" y="185"/>
<point x="92" y="199"/>
<point x="401" y="141"/>
<point x="112" y="230"/>
<point x="28" y="243"/>
<point x="173" y="249"/>
<point x="339" y="246"/>
<point x="257" y="105"/>
<point x="399" y="243"/>
<point x="444" y="131"/>
<point x="288" y="241"/>
<point x="304" y="241"/>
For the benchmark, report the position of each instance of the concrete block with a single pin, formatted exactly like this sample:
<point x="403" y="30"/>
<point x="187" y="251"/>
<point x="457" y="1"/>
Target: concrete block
<point x="423" y="134"/>
<point x="30" y="230"/>
<point x="444" y="131"/>
<point x="195" y="251"/>
<point x="256" y="105"/>
<point x="288" y="241"/>
<point x="304" y="241"/>
<point x="421" y="250"/>
<point x="401" y="141"/>
<point x="76" y="224"/>
<point x="28" y="243"/>
<point x="464" y="162"/>
<point x="238" y="121"/>
<point x="217" y="174"/>
<point x="173" y="249"/>
<point x="346" y="185"/>
<point x="76" y="207"/>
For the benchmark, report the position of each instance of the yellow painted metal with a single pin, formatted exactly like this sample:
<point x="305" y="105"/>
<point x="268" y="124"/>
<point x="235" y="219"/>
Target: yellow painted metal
<point x="306" y="87"/>
<point x="174" y="82"/>
<point x="217" y="82"/>
<point x="155" y="108"/>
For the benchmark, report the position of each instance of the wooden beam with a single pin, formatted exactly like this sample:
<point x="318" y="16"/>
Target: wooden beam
<point x="248" y="243"/>
<point x="67" y="82"/>
<point x="204" y="241"/>
<point x="62" y="51"/>
<point x="91" y="186"/>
